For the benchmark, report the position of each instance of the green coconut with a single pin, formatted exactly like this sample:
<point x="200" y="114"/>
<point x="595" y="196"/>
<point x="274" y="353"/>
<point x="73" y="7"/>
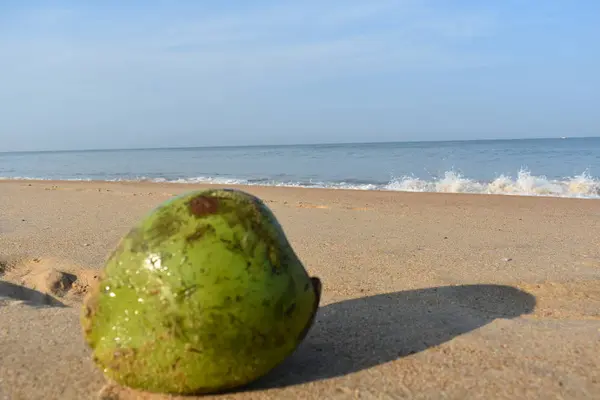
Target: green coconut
<point x="204" y="294"/>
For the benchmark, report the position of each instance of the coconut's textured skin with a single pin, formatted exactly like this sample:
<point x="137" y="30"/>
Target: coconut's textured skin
<point x="205" y="294"/>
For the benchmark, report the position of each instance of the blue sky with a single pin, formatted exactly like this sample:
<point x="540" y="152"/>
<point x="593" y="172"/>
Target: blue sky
<point x="112" y="74"/>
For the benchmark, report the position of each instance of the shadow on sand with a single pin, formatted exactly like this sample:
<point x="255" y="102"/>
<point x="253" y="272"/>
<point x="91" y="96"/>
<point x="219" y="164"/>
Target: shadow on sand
<point x="353" y="335"/>
<point x="28" y="296"/>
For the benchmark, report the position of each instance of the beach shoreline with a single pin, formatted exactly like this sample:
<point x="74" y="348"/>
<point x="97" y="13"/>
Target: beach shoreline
<point x="181" y="187"/>
<point x="543" y="167"/>
<point x="440" y="295"/>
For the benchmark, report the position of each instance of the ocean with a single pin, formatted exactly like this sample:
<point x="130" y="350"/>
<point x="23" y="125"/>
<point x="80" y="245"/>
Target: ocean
<point x="567" y="167"/>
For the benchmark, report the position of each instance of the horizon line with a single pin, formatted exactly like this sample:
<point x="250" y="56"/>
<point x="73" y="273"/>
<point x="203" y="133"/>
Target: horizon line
<point x="292" y="145"/>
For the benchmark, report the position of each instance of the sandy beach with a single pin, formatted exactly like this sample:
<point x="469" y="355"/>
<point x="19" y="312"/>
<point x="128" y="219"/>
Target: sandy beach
<point x="425" y="295"/>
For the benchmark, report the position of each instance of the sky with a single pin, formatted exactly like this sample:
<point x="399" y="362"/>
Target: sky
<point x="137" y="74"/>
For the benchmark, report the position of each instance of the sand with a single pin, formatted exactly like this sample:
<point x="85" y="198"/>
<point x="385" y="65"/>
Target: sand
<point x="426" y="296"/>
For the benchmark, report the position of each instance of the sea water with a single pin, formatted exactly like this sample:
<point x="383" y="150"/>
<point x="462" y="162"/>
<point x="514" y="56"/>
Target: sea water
<point x="563" y="167"/>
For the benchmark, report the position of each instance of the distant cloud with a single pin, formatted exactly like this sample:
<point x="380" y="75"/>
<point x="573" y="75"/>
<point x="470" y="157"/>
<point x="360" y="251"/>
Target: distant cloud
<point x="76" y="55"/>
<point x="316" y="35"/>
<point x="124" y="69"/>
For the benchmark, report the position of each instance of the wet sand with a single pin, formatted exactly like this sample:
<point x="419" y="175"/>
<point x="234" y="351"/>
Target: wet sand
<point x="425" y="296"/>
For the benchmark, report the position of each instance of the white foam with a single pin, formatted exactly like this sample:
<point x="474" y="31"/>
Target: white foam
<point x="525" y="184"/>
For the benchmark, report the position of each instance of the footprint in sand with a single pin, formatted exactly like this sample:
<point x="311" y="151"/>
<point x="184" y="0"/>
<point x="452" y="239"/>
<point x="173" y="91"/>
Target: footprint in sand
<point x="578" y="300"/>
<point x="324" y="207"/>
<point x="309" y="205"/>
<point x="591" y="262"/>
<point x="43" y="281"/>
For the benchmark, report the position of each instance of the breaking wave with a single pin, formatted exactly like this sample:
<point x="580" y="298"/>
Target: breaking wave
<point x="524" y="184"/>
